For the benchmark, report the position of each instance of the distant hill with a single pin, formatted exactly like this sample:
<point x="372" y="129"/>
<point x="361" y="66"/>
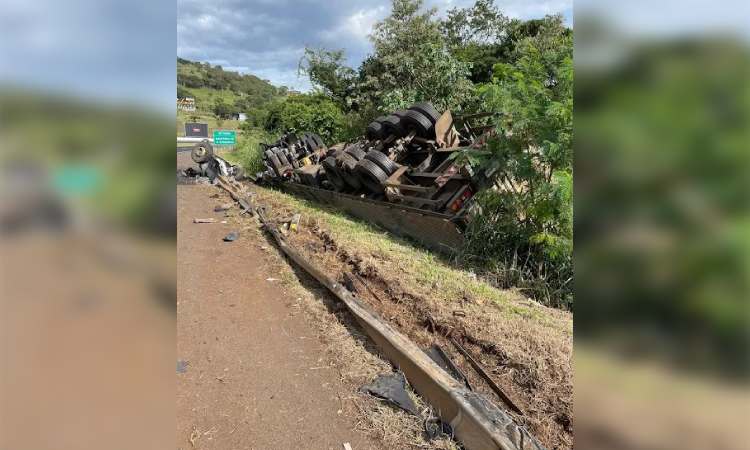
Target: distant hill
<point x="206" y="84"/>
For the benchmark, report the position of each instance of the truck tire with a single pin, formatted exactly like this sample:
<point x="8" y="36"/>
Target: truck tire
<point x="317" y="139"/>
<point x="427" y="110"/>
<point x="282" y="158"/>
<point x="356" y="152"/>
<point x="202" y="152"/>
<point x="374" y="132"/>
<point x="334" y="176"/>
<point x="382" y="161"/>
<point x="399" y="112"/>
<point x="311" y="145"/>
<point x="392" y="126"/>
<point x="239" y="172"/>
<point x="415" y="120"/>
<point x="370" y="176"/>
<point x="275" y="164"/>
<point x="348" y="162"/>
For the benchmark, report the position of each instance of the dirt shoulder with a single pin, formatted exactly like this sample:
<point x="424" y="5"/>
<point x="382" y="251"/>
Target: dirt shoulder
<point x="256" y="376"/>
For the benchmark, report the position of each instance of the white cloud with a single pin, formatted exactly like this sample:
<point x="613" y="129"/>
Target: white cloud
<point x="516" y="9"/>
<point x="267" y="37"/>
<point x="353" y="31"/>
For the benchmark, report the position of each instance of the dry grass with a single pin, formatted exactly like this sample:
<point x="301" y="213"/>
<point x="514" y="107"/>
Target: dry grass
<point x="526" y="347"/>
<point x="349" y="351"/>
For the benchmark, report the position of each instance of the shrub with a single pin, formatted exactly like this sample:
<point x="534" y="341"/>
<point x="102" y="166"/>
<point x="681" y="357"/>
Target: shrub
<point x="248" y="152"/>
<point x="524" y="229"/>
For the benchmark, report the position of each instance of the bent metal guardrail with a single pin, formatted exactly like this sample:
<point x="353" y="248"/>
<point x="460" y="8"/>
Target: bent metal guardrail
<point x="477" y="422"/>
<point x="193" y="140"/>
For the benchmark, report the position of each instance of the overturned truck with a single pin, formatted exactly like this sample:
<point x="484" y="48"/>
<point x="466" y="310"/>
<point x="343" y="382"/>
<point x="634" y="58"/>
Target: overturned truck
<point x="401" y="174"/>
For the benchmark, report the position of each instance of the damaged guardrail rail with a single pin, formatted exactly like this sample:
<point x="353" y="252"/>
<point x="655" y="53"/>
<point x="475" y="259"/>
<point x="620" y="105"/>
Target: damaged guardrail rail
<point x="477" y="423"/>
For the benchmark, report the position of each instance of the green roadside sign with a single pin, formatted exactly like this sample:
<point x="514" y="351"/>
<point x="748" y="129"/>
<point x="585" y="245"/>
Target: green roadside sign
<point x="222" y="137"/>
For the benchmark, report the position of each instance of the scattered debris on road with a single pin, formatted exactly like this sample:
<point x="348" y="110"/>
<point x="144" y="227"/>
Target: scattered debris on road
<point x="438" y="355"/>
<point x="209" y="220"/>
<point x="191" y="176"/>
<point x="350" y="283"/>
<point x="434" y="428"/>
<point x="224" y="207"/>
<point x="482" y="373"/>
<point x="294" y="223"/>
<point x="182" y="366"/>
<point x="393" y="389"/>
<point x="232" y="237"/>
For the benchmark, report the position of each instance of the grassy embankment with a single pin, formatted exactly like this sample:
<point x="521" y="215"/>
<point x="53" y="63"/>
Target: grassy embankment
<point x="527" y="347"/>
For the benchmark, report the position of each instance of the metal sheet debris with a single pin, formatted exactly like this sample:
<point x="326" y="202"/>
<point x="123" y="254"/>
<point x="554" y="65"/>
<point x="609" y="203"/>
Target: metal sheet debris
<point x="478" y="368"/>
<point x="392" y="388"/>
<point x="232" y="237"/>
<point x="182" y="366"/>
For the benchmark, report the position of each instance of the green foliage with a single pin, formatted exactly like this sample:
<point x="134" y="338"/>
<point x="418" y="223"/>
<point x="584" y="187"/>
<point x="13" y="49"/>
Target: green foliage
<point x="484" y="36"/>
<point x="329" y="74"/>
<point x="411" y="64"/>
<point x="481" y="24"/>
<point x="525" y="228"/>
<point x="245" y="89"/>
<point x="222" y="109"/>
<point x="256" y="118"/>
<point x="301" y="113"/>
<point x="405" y="30"/>
<point x="432" y="75"/>
<point x="183" y="93"/>
<point x="248" y="153"/>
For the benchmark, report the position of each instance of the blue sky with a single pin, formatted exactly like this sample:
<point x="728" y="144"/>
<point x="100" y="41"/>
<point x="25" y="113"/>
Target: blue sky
<point x="266" y="37"/>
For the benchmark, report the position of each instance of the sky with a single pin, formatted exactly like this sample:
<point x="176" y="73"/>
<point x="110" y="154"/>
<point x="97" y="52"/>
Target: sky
<point x="267" y="37"/>
<point x="125" y="49"/>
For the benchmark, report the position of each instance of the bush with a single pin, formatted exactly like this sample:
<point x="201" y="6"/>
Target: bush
<point x="524" y="230"/>
<point x="222" y="109"/>
<point x="301" y="113"/>
<point x="248" y="152"/>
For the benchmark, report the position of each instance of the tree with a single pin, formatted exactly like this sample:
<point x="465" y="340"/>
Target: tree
<point x="397" y="40"/>
<point x="222" y="109"/>
<point x="329" y="74"/>
<point x="475" y="34"/>
<point x="433" y="75"/>
<point x="484" y="36"/>
<point x="183" y="93"/>
<point x="481" y="24"/>
<point x="401" y="33"/>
